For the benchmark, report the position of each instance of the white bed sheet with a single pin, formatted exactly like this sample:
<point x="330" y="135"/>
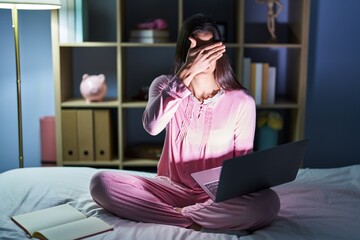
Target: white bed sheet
<point x="319" y="204"/>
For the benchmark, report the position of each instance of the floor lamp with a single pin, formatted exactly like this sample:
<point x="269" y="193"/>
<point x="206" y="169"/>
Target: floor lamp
<point x="14" y="5"/>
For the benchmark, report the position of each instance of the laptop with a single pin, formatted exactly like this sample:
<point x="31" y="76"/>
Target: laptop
<point x="252" y="172"/>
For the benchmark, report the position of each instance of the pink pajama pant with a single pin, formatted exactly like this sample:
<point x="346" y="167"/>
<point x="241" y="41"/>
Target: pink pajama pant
<point x="153" y="200"/>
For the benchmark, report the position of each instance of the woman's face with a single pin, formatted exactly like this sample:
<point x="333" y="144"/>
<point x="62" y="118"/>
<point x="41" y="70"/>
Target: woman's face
<point x="202" y="39"/>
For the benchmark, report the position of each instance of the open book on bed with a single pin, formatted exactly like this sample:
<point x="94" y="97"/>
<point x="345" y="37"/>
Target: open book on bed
<point x="60" y="222"/>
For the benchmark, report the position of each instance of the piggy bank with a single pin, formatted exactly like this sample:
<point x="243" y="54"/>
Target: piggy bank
<point x="93" y="87"/>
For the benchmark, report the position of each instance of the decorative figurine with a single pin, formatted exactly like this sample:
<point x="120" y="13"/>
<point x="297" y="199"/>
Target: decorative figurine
<point x="272" y="15"/>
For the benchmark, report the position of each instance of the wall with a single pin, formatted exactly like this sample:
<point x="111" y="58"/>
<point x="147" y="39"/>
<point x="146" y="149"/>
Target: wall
<point x="37" y="85"/>
<point x="333" y="84"/>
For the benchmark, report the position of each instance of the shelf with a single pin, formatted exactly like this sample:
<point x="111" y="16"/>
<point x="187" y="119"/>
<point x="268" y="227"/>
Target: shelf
<point x="140" y="163"/>
<point x="114" y="163"/>
<point x="134" y="44"/>
<point x="272" y="45"/>
<point x="130" y="67"/>
<point x="278" y="106"/>
<point x="232" y="45"/>
<point x="134" y="104"/>
<point x="81" y="103"/>
<point x="89" y="44"/>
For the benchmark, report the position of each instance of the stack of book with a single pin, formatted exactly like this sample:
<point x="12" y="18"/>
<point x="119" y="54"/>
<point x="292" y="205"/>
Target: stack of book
<point x="260" y="79"/>
<point x="149" y="36"/>
<point x="73" y="21"/>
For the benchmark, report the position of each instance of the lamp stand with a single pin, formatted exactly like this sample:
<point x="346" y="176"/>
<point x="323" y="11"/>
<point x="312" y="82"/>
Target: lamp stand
<point x="14" y="13"/>
<point x="14" y="5"/>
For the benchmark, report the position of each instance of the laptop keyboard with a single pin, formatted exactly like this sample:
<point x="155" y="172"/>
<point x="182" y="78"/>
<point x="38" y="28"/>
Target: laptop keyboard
<point x="212" y="186"/>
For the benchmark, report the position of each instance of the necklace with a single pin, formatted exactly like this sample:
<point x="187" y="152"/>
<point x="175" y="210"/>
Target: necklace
<point x="206" y="101"/>
<point x="200" y="110"/>
<point x="204" y="97"/>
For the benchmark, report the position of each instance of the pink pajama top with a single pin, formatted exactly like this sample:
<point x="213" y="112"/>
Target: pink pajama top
<point x="198" y="135"/>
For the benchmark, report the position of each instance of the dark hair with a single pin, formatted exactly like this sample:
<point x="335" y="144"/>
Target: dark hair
<point x="224" y="74"/>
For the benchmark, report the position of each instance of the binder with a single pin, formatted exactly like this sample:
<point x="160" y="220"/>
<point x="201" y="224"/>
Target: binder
<point x="85" y="127"/>
<point x="103" y="135"/>
<point x="69" y="135"/>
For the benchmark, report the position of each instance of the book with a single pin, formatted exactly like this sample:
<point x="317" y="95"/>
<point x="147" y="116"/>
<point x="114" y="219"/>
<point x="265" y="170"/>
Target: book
<point x="81" y="20"/>
<point x="271" y="86"/>
<point x="71" y="20"/>
<point x="67" y="21"/>
<point x="149" y="36"/>
<point x="149" y="39"/>
<point x="256" y="81"/>
<point x="60" y="222"/>
<point x="246" y="73"/>
<point x="63" y="25"/>
<point x="264" y="84"/>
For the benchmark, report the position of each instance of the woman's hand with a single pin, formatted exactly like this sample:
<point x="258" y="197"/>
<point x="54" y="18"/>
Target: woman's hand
<point x="199" y="59"/>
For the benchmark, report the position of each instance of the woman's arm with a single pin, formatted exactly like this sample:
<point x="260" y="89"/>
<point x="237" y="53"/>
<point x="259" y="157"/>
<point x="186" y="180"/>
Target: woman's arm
<point x="245" y="127"/>
<point x="165" y="95"/>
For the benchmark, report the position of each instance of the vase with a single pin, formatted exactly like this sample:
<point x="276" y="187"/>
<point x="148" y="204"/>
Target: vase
<point x="266" y="138"/>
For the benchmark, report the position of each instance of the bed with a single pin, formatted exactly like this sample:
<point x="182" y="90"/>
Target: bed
<point x="319" y="204"/>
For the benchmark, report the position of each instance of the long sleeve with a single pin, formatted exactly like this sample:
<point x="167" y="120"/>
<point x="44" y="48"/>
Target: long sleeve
<point x="245" y="127"/>
<point x="165" y="94"/>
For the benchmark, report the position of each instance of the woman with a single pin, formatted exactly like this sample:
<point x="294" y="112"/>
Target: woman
<point x="208" y="118"/>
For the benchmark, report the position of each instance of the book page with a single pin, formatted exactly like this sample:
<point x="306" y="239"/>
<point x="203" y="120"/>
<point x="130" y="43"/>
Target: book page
<point x="75" y="230"/>
<point x="49" y="217"/>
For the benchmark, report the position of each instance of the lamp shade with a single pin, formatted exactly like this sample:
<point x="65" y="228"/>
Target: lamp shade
<point x="31" y="4"/>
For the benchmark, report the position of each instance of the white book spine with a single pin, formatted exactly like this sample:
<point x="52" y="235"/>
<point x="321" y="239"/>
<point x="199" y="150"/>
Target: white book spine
<point x="63" y="26"/>
<point x="258" y="83"/>
<point x="246" y="73"/>
<point x="271" y="85"/>
<point x="71" y="20"/>
<point x="79" y="21"/>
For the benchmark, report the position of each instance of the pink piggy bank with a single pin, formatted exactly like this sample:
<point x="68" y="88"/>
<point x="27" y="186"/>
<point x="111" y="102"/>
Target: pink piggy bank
<point x="93" y="87"/>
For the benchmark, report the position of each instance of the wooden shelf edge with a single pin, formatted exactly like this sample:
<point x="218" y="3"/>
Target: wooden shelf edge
<point x="140" y="104"/>
<point x="89" y="44"/>
<point x="135" y="44"/>
<point x="278" y="106"/>
<point x="80" y="103"/>
<point x="140" y="163"/>
<point x="169" y="44"/>
<point x="92" y="163"/>
<point x="272" y="45"/>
